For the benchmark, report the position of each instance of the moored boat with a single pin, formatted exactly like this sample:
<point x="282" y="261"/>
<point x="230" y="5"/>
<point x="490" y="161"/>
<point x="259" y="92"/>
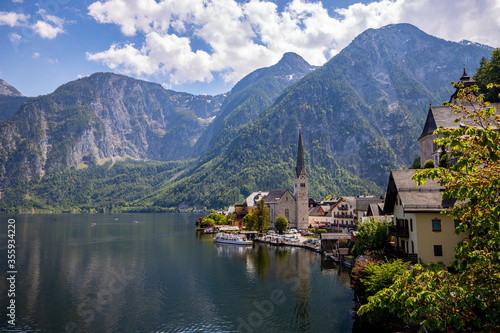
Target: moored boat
<point x="235" y="239"/>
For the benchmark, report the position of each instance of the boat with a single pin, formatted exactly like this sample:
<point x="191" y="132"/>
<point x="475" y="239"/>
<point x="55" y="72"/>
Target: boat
<point x="235" y="239"/>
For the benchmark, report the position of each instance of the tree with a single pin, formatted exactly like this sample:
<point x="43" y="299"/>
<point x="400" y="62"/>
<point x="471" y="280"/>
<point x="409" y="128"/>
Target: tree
<point x="373" y="236"/>
<point x="416" y="163"/>
<point x="218" y="218"/>
<point x="469" y="298"/>
<point x="489" y="72"/>
<point x="281" y="223"/>
<point x="249" y="220"/>
<point x="262" y="216"/>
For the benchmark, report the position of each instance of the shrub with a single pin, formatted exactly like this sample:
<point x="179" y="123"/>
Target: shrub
<point x="281" y="223"/>
<point x="429" y="164"/>
<point x="321" y="231"/>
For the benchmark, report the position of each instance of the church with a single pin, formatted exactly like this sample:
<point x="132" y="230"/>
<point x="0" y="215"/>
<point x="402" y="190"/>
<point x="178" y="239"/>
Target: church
<point x="294" y="207"/>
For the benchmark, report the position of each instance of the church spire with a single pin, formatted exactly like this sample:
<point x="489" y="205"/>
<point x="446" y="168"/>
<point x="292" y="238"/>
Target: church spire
<point x="300" y="156"/>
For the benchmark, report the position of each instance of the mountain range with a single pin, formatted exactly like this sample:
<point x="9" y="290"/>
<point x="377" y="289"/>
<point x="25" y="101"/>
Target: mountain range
<point x="109" y="142"/>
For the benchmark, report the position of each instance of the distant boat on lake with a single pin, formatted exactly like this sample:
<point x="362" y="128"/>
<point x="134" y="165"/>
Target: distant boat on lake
<point x="235" y="239"/>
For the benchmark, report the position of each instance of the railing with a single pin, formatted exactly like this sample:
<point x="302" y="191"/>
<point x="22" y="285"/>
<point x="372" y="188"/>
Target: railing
<point x="337" y="215"/>
<point x="397" y="231"/>
<point x="400" y="254"/>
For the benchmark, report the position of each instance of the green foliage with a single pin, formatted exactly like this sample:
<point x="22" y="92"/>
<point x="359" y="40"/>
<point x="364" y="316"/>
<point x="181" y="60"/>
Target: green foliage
<point x="373" y="236"/>
<point x="416" y="163"/>
<point x="262" y="216"/>
<point x="281" y="223"/>
<point x="99" y="188"/>
<point x="382" y="275"/>
<point x="250" y="221"/>
<point x="359" y="273"/>
<point x="489" y="72"/>
<point x="219" y="219"/>
<point x="469" y="298"/>
<point x="321" y="231"/>
<point x="429" y="164"/>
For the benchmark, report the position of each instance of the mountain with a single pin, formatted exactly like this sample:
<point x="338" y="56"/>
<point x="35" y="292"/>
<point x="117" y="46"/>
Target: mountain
<point x="361" y="114"/>
<point x="101" y="117"/>
<point x="248" y="98"/>
<point x="10" y="100"/>
<point x="8" y="90"/>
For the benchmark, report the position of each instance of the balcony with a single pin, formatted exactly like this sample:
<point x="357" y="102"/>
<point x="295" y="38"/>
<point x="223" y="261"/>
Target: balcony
<point x="398" y="231"/>
<point x="400" y="254"/>
<point x="345" y="216"/>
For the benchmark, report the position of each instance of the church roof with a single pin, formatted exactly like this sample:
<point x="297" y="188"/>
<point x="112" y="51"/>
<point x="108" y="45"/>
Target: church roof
<point x="467" y="82"/>
<point x="274" y="196"/>
<point x="444" y="116"/>
<point x="300" y="157"/>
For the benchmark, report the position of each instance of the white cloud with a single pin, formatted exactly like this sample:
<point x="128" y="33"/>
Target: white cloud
<point x="47" y="26"/>
<point x="17" y="1"/>
<point x="50" y="26"/>
<point x="14" y="38"/>
<point x="13" y="19"/>
<point x="190" y="40"/>
<point x="35" y="55"/>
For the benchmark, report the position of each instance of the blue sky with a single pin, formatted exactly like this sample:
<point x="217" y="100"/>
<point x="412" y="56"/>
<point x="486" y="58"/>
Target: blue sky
<point x="205" y="46"/>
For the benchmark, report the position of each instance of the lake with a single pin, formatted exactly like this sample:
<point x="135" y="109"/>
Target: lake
<point x="155" y="273"/>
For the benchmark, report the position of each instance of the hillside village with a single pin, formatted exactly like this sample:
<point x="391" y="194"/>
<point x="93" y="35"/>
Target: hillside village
<point x="420" y="232"/>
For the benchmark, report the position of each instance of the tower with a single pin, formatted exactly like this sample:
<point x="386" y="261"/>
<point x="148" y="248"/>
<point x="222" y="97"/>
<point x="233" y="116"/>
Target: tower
<point x="301" y="189"/>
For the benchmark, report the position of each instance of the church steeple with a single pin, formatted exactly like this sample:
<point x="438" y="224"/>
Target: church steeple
<point x="301" y="189"/>
<point x="300" y="157"/>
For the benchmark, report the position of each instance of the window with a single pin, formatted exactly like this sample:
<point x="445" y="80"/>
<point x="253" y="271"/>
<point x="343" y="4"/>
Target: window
<point x="438" y="250"/>
<point x="411" y="225"/>
<point x="302" y="184"/>
<point x="436" y="225"/>
<point x="412" y="247"/>
<point x="287" y="214"/>
<point x="457" y="222"/>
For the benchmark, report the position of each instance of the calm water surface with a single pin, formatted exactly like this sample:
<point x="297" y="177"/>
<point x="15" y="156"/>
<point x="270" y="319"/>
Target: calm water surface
<point x="159" y="275"/>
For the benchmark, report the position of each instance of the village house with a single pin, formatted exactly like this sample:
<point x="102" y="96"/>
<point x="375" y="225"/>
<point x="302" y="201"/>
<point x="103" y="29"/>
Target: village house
<point x="343" y="213"/>
<point x="247" y="207"/>
<point x="421" y="231"/>
<point x="362" y="203"/>
<point x="320" y="216"/>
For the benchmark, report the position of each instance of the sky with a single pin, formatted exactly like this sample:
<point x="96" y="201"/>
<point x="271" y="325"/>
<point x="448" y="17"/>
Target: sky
<point x="206" y="46"/>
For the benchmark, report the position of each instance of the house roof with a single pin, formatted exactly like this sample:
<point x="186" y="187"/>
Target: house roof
<point x="444" y="116"/>
<point x="425" y="198"/>
<point x="375" y="209"/>
<point x="315" y="211"/>
<point x="363" y="202"/>
<point x="274" y="196"/>
<point x="253" y="198"/>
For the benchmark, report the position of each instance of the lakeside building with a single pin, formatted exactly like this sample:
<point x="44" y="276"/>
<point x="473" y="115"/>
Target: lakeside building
<point x="343" y="213"/>
<point x="247" y="207"/>
<point x="422" y="232"/>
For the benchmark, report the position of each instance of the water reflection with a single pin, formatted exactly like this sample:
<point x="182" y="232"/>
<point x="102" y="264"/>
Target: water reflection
<point x="156" y="275"/>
